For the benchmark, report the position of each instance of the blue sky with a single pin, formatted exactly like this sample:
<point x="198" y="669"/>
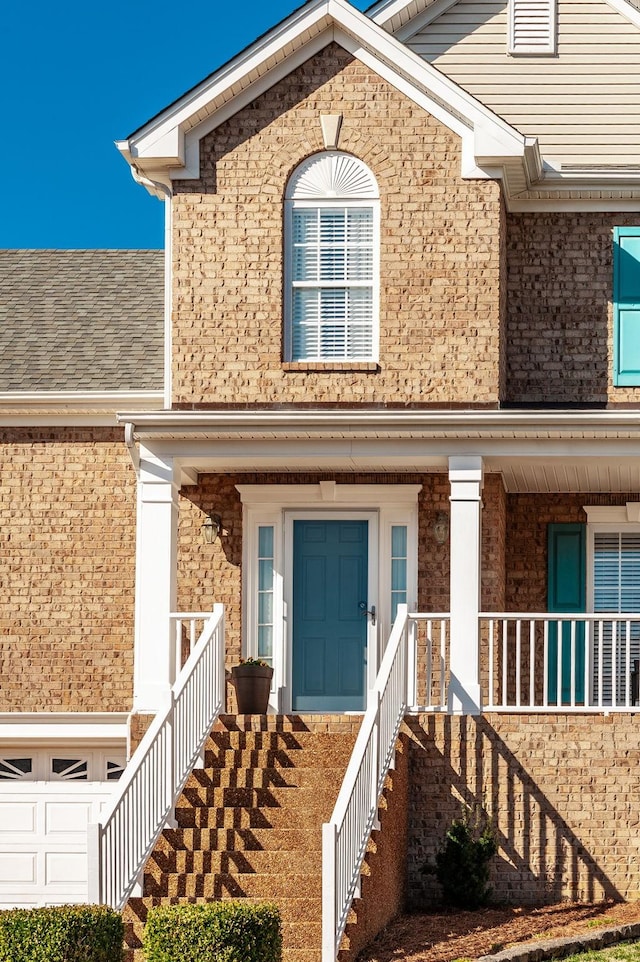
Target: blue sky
<point x="79" y="74"/>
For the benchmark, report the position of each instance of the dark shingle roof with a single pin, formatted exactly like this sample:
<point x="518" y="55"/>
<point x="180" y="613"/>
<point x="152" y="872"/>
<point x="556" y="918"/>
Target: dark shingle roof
<point x="81" y="320"/>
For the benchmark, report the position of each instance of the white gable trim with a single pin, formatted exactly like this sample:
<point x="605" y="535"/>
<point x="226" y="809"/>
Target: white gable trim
<point x="171" y="140"/>
<point x="406" y="17"/>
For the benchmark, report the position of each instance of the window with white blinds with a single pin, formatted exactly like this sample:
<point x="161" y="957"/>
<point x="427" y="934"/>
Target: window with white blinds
<point x="532" y="26"/>
<point x="332" y="261"/>
<point x="616" y="588"/>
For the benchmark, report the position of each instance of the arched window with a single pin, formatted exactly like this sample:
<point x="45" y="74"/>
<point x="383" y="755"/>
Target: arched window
<point x="331" y="260"/>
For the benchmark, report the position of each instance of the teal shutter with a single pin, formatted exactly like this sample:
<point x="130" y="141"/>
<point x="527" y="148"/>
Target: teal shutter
<point x="566" y="593"/>
<point x="626" y="306"/>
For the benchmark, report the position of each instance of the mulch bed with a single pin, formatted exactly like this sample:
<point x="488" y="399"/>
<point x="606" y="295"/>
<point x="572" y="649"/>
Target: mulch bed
<point x="451" y="935"/>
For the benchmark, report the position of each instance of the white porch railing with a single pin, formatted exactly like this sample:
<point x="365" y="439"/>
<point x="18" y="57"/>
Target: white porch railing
<point x="551" y="662"/>
<point x="345" y="836"/>
<point x="120" y="843"/>
<point x="428" y="668"/>
<point x="187" y="627"/>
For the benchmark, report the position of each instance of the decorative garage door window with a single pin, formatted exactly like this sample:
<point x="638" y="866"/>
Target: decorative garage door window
<point x="47" y="766"/>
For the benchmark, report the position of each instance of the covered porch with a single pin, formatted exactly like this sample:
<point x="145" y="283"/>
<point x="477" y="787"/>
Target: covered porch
<point x="510" y="536"/>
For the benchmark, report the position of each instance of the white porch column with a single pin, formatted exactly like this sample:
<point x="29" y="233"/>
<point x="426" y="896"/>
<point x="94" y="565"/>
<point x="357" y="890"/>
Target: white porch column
<point x="465" y="478"/>
<point x="156" y="574"/>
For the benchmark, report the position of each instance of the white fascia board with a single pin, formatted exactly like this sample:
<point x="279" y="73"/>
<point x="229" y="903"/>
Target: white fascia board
<point x="63" y="726"/>
<point x="387" y="10"/>
<point x="224" y="80"/>
<point x="71" y="408"/>
<point x="403" y="68"/>
<point x="627" y="10"/>
<point x="191" y="169"/>
<point x="431" y="12"/>
<point x="465" y="422"/>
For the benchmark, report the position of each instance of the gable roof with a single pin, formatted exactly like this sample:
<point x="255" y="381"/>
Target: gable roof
<point x="397" y="15"/>
<point x="167" y="147"/>
<point x="82" y="321"/>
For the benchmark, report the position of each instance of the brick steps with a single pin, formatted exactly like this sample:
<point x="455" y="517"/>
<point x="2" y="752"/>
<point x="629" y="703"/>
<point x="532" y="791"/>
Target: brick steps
<point x="249" y="826"/>
<point x="239" y="839"/>
<point x="234" y="885"/>
<point x="196" y="863"/>
<point x="265" y="778"/>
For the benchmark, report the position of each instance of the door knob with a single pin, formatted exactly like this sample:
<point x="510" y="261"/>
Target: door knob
<point x="365" y="611"/>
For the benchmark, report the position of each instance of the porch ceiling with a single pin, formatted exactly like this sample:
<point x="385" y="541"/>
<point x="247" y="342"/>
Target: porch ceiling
<point x="535" y="452"/>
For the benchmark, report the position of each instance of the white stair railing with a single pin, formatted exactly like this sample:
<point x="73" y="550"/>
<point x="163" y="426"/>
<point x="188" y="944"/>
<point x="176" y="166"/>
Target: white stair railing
<point x="120" y="843"/>
<point x="345" y="836"/>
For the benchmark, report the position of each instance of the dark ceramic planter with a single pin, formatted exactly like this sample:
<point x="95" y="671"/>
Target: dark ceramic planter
<point x="252" y="684"/>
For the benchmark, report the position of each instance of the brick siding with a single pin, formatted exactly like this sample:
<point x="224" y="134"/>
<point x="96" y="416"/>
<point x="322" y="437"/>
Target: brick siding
<point x="67" y="502"/>
<point x="559" y="330"/>
<point x="441" y="251"/>
<point x="561" y="790"/>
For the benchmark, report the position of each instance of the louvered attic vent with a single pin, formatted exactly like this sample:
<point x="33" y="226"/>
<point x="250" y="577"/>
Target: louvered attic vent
<point x="532" y="26"/>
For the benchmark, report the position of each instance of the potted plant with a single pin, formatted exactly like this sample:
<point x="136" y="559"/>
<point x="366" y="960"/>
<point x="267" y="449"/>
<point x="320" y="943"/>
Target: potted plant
<point x="252" y="681"/>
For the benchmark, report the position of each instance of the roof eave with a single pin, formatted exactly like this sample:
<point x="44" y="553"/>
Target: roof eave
<point x="167" y="147"/>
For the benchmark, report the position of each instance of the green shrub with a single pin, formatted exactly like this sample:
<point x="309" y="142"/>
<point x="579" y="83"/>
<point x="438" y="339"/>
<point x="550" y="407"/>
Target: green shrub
<point x="229" y="931"/>
<point x="61" y="933"/>
<point x="462" y="864"/>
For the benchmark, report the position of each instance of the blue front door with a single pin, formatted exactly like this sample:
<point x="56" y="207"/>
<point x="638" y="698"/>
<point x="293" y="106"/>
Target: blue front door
<point x="330" y="570"/>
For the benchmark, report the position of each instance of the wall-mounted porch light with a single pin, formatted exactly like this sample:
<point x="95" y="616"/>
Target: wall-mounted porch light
<point x="211" y="527"/>
<point x="441" y="527"/>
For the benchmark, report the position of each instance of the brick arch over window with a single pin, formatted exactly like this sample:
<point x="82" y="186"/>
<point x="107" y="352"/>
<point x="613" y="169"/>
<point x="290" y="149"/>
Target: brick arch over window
<point x="332" y="260"/>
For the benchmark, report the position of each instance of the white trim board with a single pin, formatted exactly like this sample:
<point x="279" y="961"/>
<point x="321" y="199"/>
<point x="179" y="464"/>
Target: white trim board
<point x="63" y="726"/>
<point x="277" y="506"/>
<point x="165" y="147"/>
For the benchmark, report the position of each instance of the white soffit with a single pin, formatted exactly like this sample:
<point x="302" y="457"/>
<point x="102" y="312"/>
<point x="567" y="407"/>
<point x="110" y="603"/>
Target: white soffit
<point x="576" y="475"/>
<point x="166" y="148"/>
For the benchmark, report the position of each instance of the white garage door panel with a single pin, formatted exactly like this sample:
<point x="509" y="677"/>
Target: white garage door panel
<point x="16" y="868"/>
<point x="43" y="844"/>
<point x="66" y="868"/>
<point x="19" y="816"/>
<point x="67" y="818"/>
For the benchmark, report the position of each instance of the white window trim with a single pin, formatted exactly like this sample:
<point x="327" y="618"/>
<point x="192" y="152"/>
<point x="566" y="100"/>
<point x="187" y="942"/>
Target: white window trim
<point x="607" y="520"/>
<point x="293" y="202"/>
<point x="278" y="505"/>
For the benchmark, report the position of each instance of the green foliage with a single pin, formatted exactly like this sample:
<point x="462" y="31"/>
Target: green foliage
<point x="229" y="931"/>
<point x="61" y="933"/>
<point x="462" y="864"/>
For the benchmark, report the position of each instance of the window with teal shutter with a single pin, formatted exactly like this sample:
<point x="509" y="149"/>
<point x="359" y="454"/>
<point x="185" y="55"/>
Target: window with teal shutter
<point x="626" y="306"/>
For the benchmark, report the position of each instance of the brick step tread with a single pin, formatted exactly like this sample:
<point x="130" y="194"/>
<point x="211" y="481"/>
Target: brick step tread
<point x="226" y="885"/>
<point x="296" y="777"/>
<point x="282" y="741"/>
<point x="239" y="840"/>
<point x="294" y="910"/>
<point x="314" y="724"/>
<point x="234" y="862"/>
<point x="254" y="817"/>
<point x="329" y="756"/>
<point x="197" y="796"/>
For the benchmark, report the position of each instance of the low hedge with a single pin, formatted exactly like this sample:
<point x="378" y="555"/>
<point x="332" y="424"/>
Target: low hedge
<point x="61" y="933"/>
<point x="228" y="931"/>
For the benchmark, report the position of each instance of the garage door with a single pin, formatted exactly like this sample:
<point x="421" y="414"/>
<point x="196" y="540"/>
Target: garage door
<point x="47" y="799"/>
